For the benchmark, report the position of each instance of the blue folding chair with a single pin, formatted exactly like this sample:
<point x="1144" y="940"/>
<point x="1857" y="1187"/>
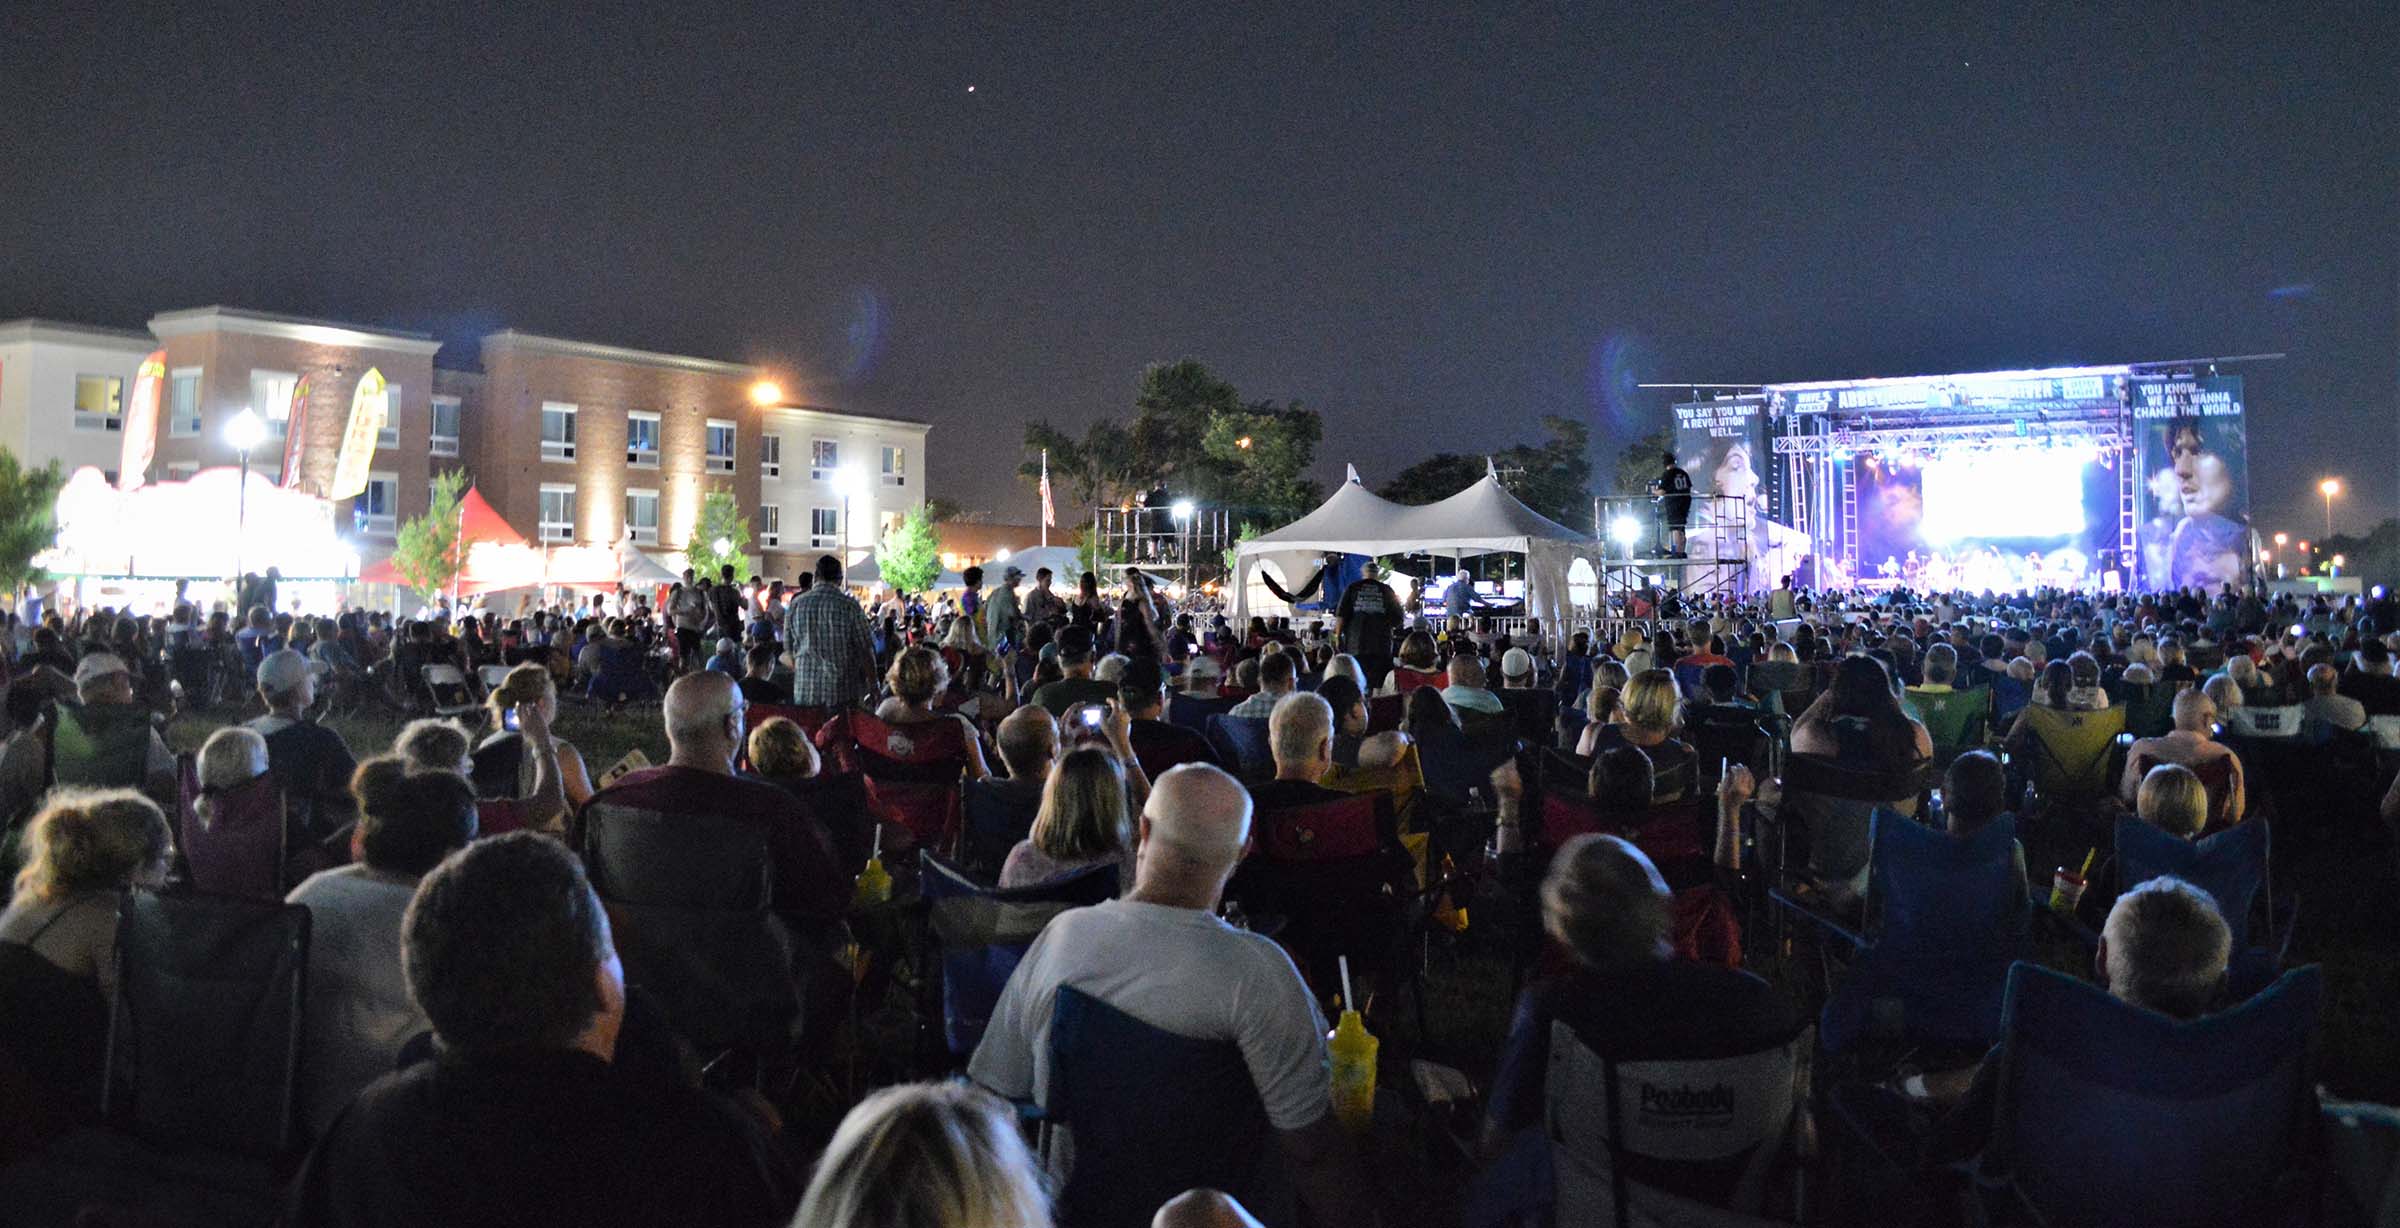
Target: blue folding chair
<point x="1242" y="741"/>
<point x="998" y="814"/>
<point x="2107" y="1113"/>
<point x="2236" y="867"/>
<point x="983" y="934"/>
<point x="1193" y="712"/>
<point x="1947" y="918"/>
<point x="1153" y="1114"/>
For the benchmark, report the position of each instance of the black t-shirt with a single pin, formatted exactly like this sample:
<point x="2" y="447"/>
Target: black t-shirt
<point x="726" y="601"/>
<point x="552" y="1137"/>
<point x="763" y="690"/>
<point x="1676" y="487"/>
<point x="313" y="765"/>
<point x="1370" y="613"/>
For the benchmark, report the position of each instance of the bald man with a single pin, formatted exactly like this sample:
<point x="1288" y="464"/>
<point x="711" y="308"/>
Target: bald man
<point x="1161" y="955"/>
<point x="2192" y="744"/>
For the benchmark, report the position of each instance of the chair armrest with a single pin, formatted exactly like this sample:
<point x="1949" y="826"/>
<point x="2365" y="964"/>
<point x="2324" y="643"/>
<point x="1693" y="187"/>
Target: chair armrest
<point x="1806" y="911"/>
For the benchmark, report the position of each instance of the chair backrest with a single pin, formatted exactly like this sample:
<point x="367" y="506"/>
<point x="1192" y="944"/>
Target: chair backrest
<point x="1720" y="1124"/>
<point x="241" y="851"/>
<point x="2231" y="866"/>
<point x="2149" y="709"/>
<point x="1534" y="712"/>
<point x="1325" y="831"/>
<point x="1242" y="742"/>
<point x="491" y="675"/>
<point x="810" y="720"/>
<point x="2106" y="1113"/>
<point x="1384" y="712"/>
<point x="103" y="747"/>
<point x="448" y="686"/>
<point x="204" y="1036"/>
<point x="1401" y="782"/>
<point x="1956" y="720"/>
<point x="2073" y="750"/>
<point x="1941" y="897"/>
<point x="1192" y="712"/>
<point x="2281" y="722"/>
<point x="1153" y="1114"/>
<point x="1405" y="679"/>
<point x="2216" y="778"/>
<point x="984" y="933"/>
<point x="998" y="814"/>
<point x="639" y="856"/>
<point x="1691" y="681"/>
<point x="913" y="773"/>
<point x="1778" y="676"/>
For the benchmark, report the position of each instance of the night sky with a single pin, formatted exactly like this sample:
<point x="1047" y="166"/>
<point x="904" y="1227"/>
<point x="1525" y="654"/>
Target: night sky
<point x="1433" y="227"/>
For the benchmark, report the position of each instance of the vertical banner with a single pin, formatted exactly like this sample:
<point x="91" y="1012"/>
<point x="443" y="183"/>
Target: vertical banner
<point x="141" y="422"/>
<point x="1723" y="445"/>
<point x="2195" y="468"/>
<point x="368" y="409"/>
<point x="295" y="435"/>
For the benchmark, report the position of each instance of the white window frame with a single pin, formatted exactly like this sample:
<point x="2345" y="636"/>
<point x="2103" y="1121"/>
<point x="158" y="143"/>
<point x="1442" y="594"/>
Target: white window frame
<point x="555" y="449"/>
<point x="373" y="524"/>
<point x="711" y="462"/>
<point x="770" y="525"/>
<point x="642" y="536"/>
<point x="820" y="540"/>
<point x="277" y="412"/>
<point x="548" y="529"/>
<point x="895" y="464"/>
<point x="770" y="456"/>
<point x="179" y="426"/>
<point x="643" y="458"/>
<point x="437" y="443"/>
<point x="106" y="420"/>
<point x="824" y="457"/>
<point x="389" y="436"/>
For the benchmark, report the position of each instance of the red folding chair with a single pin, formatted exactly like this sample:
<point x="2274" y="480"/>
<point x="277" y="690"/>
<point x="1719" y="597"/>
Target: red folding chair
<point x="241" y="850"/>
<point x="913" y="775"/>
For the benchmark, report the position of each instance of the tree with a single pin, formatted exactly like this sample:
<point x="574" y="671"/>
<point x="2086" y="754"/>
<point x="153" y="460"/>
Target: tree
<point x="28" y="517"/>
<point x="1192" y="434"/>
<point x="1553" y="477"/>
<point x="910" y="556"/>
<point x="1638" y="462"/>
<point x="426" y="552"/>
<point x="943" y="510"/>
<point x="1088" y="554"/>
<point x="1248" y="532"/>
<point x="721" y="537"/>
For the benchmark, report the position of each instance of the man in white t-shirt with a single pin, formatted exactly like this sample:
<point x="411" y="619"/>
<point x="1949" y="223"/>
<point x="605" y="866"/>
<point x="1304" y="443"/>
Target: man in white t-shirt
<point x="1161" y="955"/>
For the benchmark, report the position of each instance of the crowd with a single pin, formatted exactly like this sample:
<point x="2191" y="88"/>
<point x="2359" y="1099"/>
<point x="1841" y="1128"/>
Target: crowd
<point x="539" y="991"/>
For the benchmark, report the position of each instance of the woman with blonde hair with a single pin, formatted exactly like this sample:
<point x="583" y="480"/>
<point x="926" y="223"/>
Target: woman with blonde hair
<point x="2173" y="800"/>
<point x="781" y="752"/>
<point x="232" y="757"/>
<point x="82" y="852"/>
<point x="1418" y="664"/>
<point x="917" y="679"/>
<point x="1649" y="715"/>
<point x="502" y="768"/>
<point x="926" y="1155"/>
<point x="1086" y="819"/>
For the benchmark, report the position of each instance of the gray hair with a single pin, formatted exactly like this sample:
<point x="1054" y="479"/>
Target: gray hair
<point x="2167" y="947"/>
<point x="1606" y="903"/>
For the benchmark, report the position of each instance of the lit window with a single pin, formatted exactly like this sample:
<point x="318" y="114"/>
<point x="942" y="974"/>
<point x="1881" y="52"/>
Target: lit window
<point x="389" y="436"/>
<point x="770" y="456"/>
<point x="895" y="465"/>
<point x="377" y="510"/>
<point x="445" y="427"/>
<point x="558" y="433"/>
<point x="824" y="456"/>
<point x="720" y="446"/>
<point x="183" y="403"/>
<point x="271" y="399"/>
<point x="641" y="516"/>
<point x="770" y="525"/>
<point x="824" y="527"/>
<point x="641" y="440"/>
<point x="99" y="403"/>
<point x="558" y="513"/>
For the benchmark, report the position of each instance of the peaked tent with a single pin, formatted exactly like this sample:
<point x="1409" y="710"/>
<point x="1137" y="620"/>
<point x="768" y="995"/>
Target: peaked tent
<point x="497" y="556"/>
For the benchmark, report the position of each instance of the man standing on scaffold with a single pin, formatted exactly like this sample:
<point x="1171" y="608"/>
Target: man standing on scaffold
<point x="1673" y="491"/>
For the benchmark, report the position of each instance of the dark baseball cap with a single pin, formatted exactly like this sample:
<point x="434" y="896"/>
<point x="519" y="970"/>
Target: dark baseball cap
<point x="1143" y="677"/>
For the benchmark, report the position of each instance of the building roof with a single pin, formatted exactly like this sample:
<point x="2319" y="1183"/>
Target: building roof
<point x="76" y="334"/>
<point x="295" y="328"/>
<point x="535" y="343"/>
<point x="821" y="411"/>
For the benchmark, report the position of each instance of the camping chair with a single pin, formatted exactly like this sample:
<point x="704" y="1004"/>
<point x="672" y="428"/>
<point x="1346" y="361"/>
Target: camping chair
<point x="2216" y="777"/>
<point x="447" y="684"/>
<point x="913" y="775"/>
<point x="2235" y="867"/>
<point x="1833" y="807"/>
<point x="998" y="815"/>
<point x="491" y="676"/>
<point x="689" y="897"/>
<point x="1192" y="712"/>
<point x="2149" y="709"/>
<point x="53" y="1030"/>
<point x="1534" y="712"/>
<point x="1491" y="740"/>
<point x="1697" y="1141"/>
<point x="1241" y="741"/>
<point x="243" y="851"/>
<point x="198" y="1085"/>
<point x="1701" y="920"/>
<point x="2106" y="1113"/>
<point x="1336" y="874"/>
<point x="1946" y="917"/>
<point x="1153" y="1114"/>
<point x="982" y="933"/>
<point x="1726" y="732"/>
<point x="1384" y="712"/>
<point x="1959" y="721"/>
<point x="810" y="720"/>
<point x="2070" y="755"/>
<point x="1782" y="687"/>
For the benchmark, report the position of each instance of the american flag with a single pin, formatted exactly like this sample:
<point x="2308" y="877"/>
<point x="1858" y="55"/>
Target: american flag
<point x="1049" y="510"/>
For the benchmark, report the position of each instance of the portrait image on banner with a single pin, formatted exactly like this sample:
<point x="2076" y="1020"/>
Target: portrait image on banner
<point x="2194" y="456"/>
<point x="1723" y="445"/>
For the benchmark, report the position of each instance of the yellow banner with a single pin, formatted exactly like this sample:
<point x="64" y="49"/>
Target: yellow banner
<point x="368" y="411"/>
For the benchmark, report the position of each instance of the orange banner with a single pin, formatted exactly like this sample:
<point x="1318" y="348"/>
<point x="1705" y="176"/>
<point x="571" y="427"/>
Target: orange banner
<point x="141" y="422"/>
<point x="295" y="434"/>
<point x="368" y="410"/>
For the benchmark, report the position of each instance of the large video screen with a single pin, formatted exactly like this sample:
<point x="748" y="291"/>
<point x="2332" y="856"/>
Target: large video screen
<point x="1990" y="518"/>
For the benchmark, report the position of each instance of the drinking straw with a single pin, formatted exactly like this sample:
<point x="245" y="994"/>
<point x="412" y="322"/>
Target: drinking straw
<point x="2087" y="862"/>
<point x="1347" y="999"/>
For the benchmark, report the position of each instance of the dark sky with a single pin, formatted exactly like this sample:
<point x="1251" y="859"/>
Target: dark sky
<point x="1435" y="227"/>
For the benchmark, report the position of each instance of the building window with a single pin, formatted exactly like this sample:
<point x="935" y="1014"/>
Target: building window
<point x="770" y="456"/>
<point x="770" y="525"/>
<point x="720" y="446"/>
<point x="378" y="508"/>
<point x="895" y="465"/>
<point x="824" y="456"/>
<point x="182" y="471"/>
<point x="389" y="436"/>
<point x="641" y="440"/>
<point x="558" y="513"/>
<point x="99" y="403"/>
<point x="183" y="403"/>
<point x="641" y="516"/>
<point x="558" y="432"/>
<point x="824" y="527"/>
<point x="271" y="399"/>
<point x="445" y="427"/>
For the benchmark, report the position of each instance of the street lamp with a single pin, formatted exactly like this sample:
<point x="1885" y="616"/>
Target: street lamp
<point x="245" y="432"/>
<point x="851" y="482"/>
<point x="2329" y="488"/>
<point x="766" y="392"/>
<point x="1182" y="512"/>
<point x="2283" y="539"/>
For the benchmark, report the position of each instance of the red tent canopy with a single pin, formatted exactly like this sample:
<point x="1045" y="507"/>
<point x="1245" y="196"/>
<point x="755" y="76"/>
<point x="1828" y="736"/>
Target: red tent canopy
<point x="478" y="525"/>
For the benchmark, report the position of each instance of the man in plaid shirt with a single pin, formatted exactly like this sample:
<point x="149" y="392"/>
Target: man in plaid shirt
<point x="830" y="641"/>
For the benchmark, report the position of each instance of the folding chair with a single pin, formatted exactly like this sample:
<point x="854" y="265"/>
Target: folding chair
<point x="1946" y="917"/>
<point x="1384" y="712"/>
<point x="2236" y="868"/>
<point x="1153" y="1114"/>
<point x="1192" y="713"/>
<point x="2106" y="1113"/>
<point x="491" y="676"/>
<point x="1336" y="874"/>
<point x="913" y="775"/>
<point x="1242" y="742"/>
<point x="810" y="720"/>
<point x="242" y="851"/>
<point x="999" y="813"/>
<point x="1958" y="721"/>
<point x="981" y="933"/>
<point x="447" y="684"/>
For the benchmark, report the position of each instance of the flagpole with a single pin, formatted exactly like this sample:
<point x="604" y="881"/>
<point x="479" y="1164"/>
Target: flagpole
<point x="1045" y="498"/>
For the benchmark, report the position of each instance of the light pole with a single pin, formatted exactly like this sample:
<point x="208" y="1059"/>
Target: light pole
<point x="1182" y="511"/>
<point x="244" y="432"/>
<point x="2329" y="488"/>
<point x="850" y="482"/>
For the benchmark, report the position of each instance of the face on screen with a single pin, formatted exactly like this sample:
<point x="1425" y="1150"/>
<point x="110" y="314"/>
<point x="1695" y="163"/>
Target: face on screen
<point x="1733" y="475"/>
<point x="2202" y="478"/>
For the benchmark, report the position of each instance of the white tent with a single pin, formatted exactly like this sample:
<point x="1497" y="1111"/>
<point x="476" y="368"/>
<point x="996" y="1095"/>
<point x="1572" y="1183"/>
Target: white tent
<point x="1482" y="519"/>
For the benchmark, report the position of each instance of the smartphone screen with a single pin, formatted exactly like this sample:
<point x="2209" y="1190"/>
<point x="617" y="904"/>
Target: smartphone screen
<point x="508" y="719"/>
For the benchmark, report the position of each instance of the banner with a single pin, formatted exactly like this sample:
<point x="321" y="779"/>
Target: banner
<point x="2195" y="467"/>
<point x="367" y="413"/>
<point x="1722" y="444"/>
<point x="295" y="435"/>
<point x="141" y="422"/>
